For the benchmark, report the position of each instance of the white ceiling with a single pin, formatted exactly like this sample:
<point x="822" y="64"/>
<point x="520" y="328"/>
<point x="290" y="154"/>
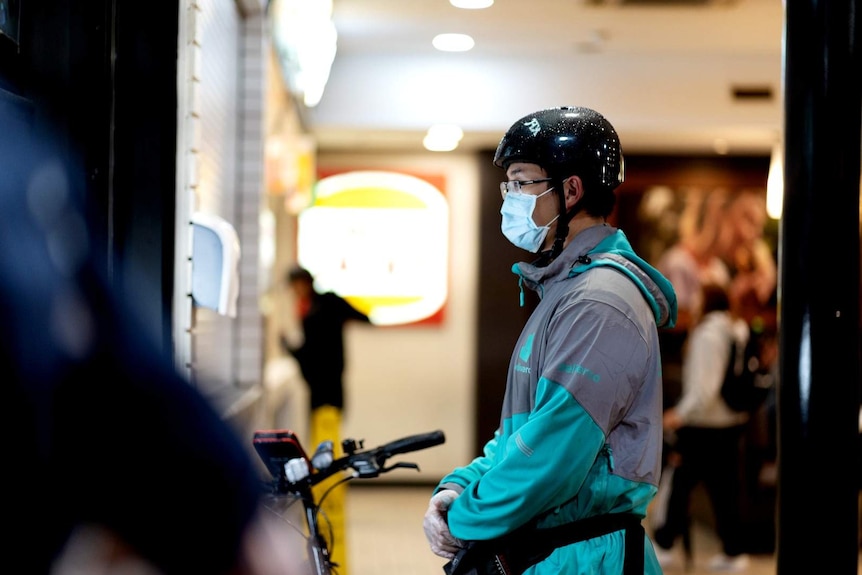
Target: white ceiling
<point x="662" y="73"/>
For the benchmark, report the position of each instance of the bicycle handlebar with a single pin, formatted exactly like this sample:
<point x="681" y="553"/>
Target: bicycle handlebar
<point x="370" y="463"/>
<point x="292" y="469"/>
<point x="413" y="443"/>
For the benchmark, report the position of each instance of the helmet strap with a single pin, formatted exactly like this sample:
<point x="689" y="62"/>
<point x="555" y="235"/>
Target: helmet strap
<point x="562" y="230"/>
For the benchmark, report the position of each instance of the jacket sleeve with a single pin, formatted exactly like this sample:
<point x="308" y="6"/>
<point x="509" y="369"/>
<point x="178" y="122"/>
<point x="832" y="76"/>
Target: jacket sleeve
<point x="463" y="476"/>
<point x="545" y="463"/>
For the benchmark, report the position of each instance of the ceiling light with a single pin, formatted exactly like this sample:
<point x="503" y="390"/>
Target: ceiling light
<point x="453" y="42"/>
<point x="442" y="138"/>
<point x="305" y="40"/>
<point x="471" y="4"/>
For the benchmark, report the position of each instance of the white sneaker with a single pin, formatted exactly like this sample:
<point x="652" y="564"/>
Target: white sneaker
<point x="666" y="557"/>
<point x="727" y="564"/>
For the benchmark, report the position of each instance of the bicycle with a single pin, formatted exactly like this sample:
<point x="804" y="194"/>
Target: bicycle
<point x="294" y="474"/>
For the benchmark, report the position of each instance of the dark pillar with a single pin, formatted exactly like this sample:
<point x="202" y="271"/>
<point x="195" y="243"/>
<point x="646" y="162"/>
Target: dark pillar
<point x="818" y="396"/>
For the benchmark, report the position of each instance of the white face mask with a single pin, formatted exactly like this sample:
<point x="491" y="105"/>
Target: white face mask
<point x="518" y="225"/>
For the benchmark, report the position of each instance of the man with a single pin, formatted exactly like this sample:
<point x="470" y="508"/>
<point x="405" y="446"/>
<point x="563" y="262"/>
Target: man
<point x="321" y="354"/>
<point x="580" y="433"/>
<point x="321" y="360"/>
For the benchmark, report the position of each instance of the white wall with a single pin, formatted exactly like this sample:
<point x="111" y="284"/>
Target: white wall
<point x="221" y="82"/>
<point x="413" y="379"/>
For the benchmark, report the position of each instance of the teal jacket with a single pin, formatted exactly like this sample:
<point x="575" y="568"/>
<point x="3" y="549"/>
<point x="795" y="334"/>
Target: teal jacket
<point x="580" y="431"/>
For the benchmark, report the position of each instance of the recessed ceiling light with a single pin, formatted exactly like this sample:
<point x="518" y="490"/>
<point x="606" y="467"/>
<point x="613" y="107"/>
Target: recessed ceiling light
<point x="453" y="42"/>
<point x="442" y="138"/>
<point x="471" y="4"/>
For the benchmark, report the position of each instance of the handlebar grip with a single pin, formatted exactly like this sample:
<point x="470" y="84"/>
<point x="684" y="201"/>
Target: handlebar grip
<point x="414" y="442"/>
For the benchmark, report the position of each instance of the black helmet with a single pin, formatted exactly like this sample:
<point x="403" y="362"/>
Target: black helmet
<point x="566" y="141"/>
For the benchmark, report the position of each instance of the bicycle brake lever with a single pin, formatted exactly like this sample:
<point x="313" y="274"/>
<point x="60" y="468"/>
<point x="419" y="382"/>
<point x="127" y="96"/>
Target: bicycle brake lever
<point x="400" y="464"/>
<point x="365" y="468"/>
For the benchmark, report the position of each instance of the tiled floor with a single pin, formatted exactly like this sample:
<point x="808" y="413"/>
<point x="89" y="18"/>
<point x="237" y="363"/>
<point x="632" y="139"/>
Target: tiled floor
<point x="385" y="534"/>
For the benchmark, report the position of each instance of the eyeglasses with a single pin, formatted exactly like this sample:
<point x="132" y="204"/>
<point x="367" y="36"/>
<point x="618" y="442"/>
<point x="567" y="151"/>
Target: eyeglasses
<point x="516" y="185"/>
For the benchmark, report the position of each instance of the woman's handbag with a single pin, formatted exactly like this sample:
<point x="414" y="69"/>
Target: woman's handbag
<point x="514" y="552"/>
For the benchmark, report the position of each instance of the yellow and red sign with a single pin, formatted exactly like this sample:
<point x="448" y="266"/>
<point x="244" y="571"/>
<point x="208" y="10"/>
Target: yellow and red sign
<point x="380" y="239"/>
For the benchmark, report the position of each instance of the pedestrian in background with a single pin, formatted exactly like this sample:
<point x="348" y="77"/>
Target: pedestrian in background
<point x="707" y="434"/>
<point x="321" y="359"/>
<point x="580" y="435"/>
<point x="320" y="352"/>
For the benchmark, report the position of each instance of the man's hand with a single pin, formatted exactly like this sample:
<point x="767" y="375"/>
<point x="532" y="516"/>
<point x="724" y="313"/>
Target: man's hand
<point x="437" y="528"/>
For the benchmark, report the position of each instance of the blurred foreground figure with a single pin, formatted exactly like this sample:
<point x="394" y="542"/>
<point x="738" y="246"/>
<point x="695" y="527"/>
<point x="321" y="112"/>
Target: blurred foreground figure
<point x="99" y="430"/>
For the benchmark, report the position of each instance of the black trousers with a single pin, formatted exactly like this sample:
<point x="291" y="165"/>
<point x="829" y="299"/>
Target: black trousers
<point x="711" y="456"/>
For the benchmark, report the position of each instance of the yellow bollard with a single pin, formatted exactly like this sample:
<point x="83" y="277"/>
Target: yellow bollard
<point x="326" y="425"/>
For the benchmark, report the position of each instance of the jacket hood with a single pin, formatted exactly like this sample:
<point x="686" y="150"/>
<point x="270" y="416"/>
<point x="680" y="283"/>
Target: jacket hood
<point x="607" y="246"/>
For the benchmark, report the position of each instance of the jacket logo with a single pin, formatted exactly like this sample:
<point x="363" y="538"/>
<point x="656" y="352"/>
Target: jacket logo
<point x="526" y="349"/>
<point x="524" y="355"/>
<point x="580" y="370"/>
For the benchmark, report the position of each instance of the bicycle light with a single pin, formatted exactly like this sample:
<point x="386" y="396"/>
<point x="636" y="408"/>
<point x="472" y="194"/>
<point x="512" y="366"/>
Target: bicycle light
<point x="323" y="457"/>
<point x="296" y="469"/>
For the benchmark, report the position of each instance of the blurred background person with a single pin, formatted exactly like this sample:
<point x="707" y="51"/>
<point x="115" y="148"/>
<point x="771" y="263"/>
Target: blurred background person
<point x="321" y="358"/>
<point x="721" y="236"/>
<point x="749" y="257"/>
<point x="705" y="435"/>
<point x="694" y="259"/>
<point x="722" y="243"/>
<point x="319" y="348"/>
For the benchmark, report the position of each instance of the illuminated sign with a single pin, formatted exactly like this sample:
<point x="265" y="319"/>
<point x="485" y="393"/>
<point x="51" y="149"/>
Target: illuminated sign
<point x="380" y="240"/>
